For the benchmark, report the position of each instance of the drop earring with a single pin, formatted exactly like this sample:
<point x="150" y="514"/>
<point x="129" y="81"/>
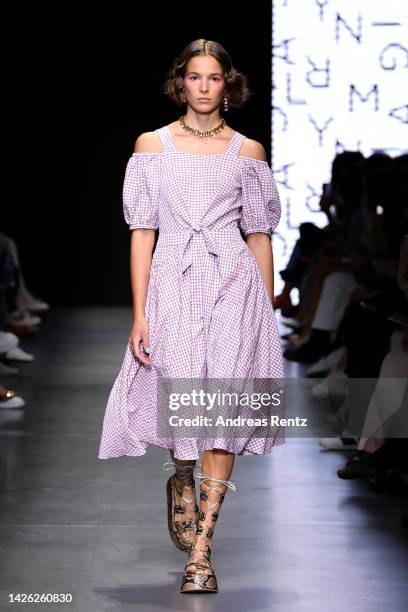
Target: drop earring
<point x="225" y="103"/>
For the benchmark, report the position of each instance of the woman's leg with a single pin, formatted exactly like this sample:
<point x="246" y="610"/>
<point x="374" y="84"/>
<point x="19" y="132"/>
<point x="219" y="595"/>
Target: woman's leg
<point x="184" y="506"/>
<point x="217" y="463"/>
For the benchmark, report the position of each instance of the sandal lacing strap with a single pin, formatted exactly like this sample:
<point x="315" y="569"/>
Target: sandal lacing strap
<point x="168" y="465"/>
<point x="229" y="483"/>
<point x="184" y="473"/>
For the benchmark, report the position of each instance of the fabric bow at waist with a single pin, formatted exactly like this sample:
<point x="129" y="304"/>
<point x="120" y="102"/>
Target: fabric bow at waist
<point x="187" y="239"/>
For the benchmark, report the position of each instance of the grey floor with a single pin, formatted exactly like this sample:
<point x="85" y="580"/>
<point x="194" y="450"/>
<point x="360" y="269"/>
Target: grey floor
<point x="294" y="538"/>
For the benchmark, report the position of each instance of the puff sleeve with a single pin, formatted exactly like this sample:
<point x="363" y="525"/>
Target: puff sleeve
<point x="141" y="191"/>
<point x="261" y="207"/>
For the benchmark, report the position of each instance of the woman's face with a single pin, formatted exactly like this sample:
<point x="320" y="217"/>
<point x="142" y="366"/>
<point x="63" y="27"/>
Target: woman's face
<point x="204" y="79"/>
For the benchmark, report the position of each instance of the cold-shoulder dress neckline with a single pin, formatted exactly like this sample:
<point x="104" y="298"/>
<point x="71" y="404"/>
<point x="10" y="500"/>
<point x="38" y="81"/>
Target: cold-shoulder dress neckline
<point x="171" y="145"/>
<point x="232" y="150"/>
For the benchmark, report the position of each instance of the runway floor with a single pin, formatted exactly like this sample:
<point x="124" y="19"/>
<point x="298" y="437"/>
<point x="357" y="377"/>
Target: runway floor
<point x="293" y="538"/>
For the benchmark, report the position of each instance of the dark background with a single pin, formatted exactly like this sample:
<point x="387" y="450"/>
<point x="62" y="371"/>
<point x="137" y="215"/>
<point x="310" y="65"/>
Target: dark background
<point x="81" y="88"/>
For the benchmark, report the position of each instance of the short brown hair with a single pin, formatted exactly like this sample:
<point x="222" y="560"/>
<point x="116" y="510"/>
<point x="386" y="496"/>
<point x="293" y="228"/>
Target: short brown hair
<point x="236" y="82"/>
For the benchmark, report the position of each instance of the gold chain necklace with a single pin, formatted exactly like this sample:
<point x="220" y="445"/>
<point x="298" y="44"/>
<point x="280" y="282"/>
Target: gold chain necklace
<point x="200" y="133"/>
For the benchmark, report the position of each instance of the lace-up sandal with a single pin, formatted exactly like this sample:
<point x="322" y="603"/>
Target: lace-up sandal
<point x="199" y="575"/>
<point x="181" y="501"/>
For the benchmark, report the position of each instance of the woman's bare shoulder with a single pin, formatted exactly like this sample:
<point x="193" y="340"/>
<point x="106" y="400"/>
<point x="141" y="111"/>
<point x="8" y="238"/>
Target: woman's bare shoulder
<point x="252" y="148"/>
<point x="148" y="142"/>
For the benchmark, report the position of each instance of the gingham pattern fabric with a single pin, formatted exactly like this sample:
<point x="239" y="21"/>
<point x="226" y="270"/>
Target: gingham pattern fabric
<point x="207" y="307"/>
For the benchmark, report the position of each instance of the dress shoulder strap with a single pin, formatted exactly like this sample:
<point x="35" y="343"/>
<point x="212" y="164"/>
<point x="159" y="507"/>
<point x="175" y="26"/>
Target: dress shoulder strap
<point x="235" y="144"/>
<point x="166" y="139"/>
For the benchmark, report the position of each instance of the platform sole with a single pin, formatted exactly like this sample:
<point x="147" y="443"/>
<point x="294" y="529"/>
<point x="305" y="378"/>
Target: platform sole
<point x="199" y="583"/>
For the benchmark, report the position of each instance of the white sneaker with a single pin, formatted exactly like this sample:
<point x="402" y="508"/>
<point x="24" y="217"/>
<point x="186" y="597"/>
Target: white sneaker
<point x="37" y="306"/>
<point x="6" y="370"/>
<point x="328" y="362"/>
<point x="337" y="443"/>
<point x="14" y="402"/>
<point x="27" y="301"/>
<point x="17" y="354"/>
<point x="289" y="322"/>
<point x="334" y="384"/>
<point x="25" y="318"/>
<point x="8" y="341"/>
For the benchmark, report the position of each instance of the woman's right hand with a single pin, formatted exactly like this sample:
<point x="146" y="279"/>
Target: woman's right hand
<point x="140" y="332"/>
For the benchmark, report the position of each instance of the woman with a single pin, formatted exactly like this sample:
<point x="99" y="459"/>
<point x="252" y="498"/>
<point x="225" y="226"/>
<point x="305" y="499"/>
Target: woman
<point x="202" y="305"/>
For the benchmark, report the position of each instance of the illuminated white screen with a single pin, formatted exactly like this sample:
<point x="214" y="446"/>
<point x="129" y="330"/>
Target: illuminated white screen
<point x="339" y="82"/>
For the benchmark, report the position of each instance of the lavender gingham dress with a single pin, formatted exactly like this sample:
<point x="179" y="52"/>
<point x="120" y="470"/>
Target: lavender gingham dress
<point x="207" y="307"/>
